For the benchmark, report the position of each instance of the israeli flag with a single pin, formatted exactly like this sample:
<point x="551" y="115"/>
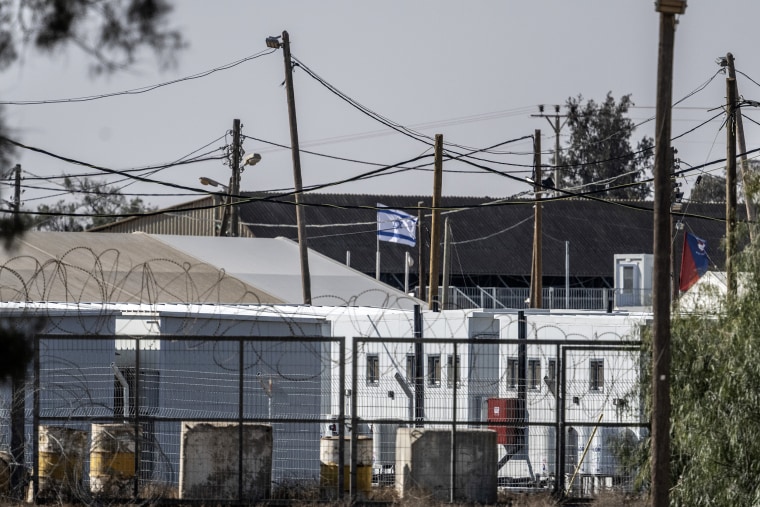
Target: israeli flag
<point x="396" y="226"/>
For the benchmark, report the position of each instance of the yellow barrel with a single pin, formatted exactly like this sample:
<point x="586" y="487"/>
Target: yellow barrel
<point x="61" y="461"/>
<point x="329" y="458"/>
<point x="112" y="459"/>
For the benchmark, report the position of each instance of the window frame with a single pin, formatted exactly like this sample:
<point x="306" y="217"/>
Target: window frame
<point x="373" y="370"/>
<point x="534" y="378"/>
<point x="513" y="375"/>
<point x="596" y="374"/>
<point x="450" y="368"/>
<point x="434" y="370"/>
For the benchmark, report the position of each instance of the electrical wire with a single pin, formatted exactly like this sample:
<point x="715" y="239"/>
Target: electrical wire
<point x="143" y="89"/>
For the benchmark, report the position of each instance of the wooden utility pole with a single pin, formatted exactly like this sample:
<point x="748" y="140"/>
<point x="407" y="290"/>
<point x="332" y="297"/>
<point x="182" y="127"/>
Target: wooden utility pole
<point x="296" y="153"/>
<point x="536" y="271"/>
<point x="749" y="204"/>
<point x="18" y="386"/>
<point x="420" y="251"/>
<point x="235" y="180"/>
<point x="446" y="264"/>
<point x="434" y="226"/>
<point x="731" y="113"/>
<point x="660" y="424"/>
<point x="557" y="128"/>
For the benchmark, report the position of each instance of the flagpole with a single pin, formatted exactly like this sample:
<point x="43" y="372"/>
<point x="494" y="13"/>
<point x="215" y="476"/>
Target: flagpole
<point x="377" y="257"/>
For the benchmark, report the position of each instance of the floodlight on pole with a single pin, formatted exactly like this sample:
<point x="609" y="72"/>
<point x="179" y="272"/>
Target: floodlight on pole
<point x="273" y="42"/>
<point x="212" y="183"/>
<point x="670" y="6"/>
<point x="251" y="159"/>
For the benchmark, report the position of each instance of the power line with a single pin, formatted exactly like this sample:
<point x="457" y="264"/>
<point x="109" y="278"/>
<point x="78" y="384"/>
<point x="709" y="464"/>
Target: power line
<point x="137" y="91"/>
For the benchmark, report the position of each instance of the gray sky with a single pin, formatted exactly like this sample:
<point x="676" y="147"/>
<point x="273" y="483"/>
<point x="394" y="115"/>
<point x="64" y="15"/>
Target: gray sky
<point x="473" y="71"/>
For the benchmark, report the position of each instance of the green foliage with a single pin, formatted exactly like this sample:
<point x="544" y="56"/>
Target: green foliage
<point x="710" y="188"/>
<point x="600" y="156"/>
<point x="715" y="392"/>
<point x="104" y="204"/>
<point x="111" y="32"/>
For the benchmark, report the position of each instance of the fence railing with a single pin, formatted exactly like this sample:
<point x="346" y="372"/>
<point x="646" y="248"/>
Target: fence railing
<point x="553" y="298"/>
<point x="231" y="419"/>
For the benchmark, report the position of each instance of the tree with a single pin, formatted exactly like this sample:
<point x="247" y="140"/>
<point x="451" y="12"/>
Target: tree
<point x="97" y="205"/>
<point x="600" y="156"/>
<point x="709" y="188"/>
<point x="112" y="32"/>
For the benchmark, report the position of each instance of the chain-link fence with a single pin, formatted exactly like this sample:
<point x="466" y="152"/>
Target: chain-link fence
<point x="230" y="419"/>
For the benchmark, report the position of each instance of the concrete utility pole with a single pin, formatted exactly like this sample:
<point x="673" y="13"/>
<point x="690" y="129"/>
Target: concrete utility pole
<point x="731" y="113"/>
<point x="235" y="180"/>
<point x="434" y="226"/>
<point x="748" y="202"/>
<point x="557" y="128"/>
<point x="660" y="424"/>
<point x="296" y="152"/>
<point x="536" y="272"/>
<point x="18" y="387"/>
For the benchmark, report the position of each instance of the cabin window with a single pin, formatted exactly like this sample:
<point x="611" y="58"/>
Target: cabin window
<point x="434" y="370"/>
<point x="596" y="374"/>
<point x="411" y="368"/>
<point x="534" y="374"/>
<point x="512" y="373"/>
<point x="373" y="369"/>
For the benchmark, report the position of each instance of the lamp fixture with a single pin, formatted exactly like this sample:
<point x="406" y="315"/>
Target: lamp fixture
<point x="273" y="42"/>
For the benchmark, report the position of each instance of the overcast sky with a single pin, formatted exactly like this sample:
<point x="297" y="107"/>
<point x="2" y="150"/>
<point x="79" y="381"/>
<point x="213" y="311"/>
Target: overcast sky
<point x="472" y="70"/>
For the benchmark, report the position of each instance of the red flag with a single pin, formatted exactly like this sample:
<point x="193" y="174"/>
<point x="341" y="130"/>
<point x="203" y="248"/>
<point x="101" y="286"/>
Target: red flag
<point x="694" y="260"/>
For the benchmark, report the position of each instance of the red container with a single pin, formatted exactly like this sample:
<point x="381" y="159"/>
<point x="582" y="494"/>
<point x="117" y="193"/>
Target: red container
<point x="509" y="417"/>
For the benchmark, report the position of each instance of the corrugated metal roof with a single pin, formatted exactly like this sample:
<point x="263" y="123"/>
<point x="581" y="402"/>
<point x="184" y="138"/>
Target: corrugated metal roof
<point x="125" y="268"/>
<point x="489" y="238"/>
<point x="273" y="265"/>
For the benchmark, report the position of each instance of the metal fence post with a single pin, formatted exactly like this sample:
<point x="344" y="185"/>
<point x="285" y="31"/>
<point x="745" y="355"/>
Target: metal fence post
<point x="354" y="420"/>
<point x="241" y="415"/>
<point x="136" y="404"/>
<point x="454" y="427"/>
<point x="342" y="416"/>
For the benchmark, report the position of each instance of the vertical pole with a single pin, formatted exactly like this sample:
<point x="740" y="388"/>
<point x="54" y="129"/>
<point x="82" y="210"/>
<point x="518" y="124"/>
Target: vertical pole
<point x="522" y="374"/>
<point x="420" y="251"/>
<point x="18" y="388"/>
<point x="241" y="415"/>
<point x="377" y="258"/>
<point x="419" y="373"/>
<point x="536" y="287"/>
<point x="434" y="227"/>
<point x="660" y="424"/>
<point x="17" y="195"/>
<point x="567" y="275"/>
<point x="407" y="260"/>
<point x="557" y="128"/>
<point x="235" y="181"/>
<point x="731" y="112"/>
<point x="446" y="264"/>
<point x="137" y="425"/>
<point x="671" y="228"/>
<point x="453" y="458"/>
<point x="354" y="420"/>
<point x="748" y="202"/>
<point x="18" y="436"/>
<point x="342" y="416"/>
<point x="559" y="463"/>
<point x="298" y="186"/>
<point x="36" y="420"/>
